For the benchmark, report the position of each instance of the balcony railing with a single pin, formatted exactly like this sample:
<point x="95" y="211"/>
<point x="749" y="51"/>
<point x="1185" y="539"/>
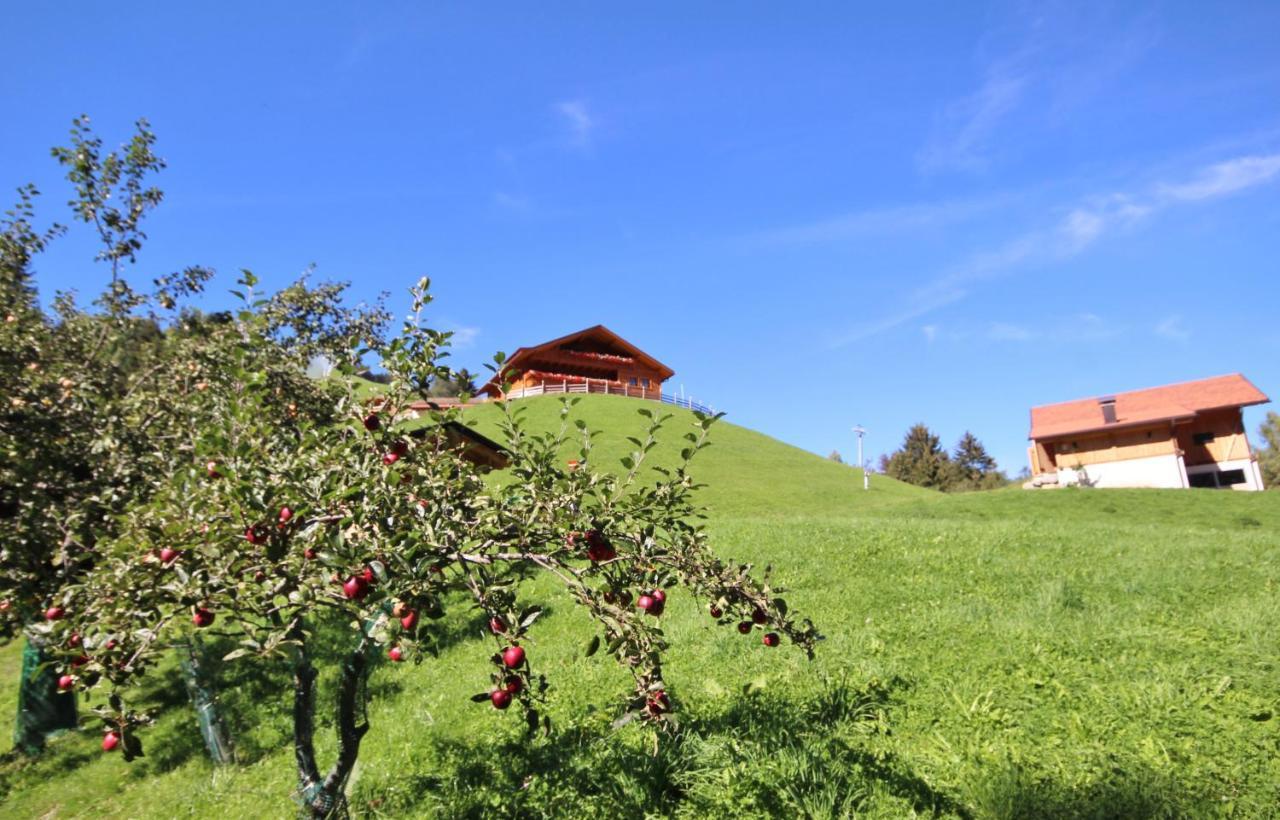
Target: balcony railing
<point x="548" y="388"/>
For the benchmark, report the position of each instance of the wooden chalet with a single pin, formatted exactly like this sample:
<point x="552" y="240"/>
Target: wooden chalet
<point x="1180" y="435"/>
<point x="595" y="360"/>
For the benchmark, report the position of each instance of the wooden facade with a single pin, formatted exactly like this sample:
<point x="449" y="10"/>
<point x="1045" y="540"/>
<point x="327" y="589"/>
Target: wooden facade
<point x="595" y="355"/>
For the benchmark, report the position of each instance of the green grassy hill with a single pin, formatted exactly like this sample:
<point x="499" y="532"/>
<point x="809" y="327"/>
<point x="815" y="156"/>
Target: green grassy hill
<point x="1008" y="654"/>
<point x="745" y="472"/>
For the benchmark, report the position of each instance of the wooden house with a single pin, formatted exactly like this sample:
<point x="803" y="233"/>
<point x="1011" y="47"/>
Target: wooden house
<point x="1181" y="435"/>
<point x="595" y="360"/>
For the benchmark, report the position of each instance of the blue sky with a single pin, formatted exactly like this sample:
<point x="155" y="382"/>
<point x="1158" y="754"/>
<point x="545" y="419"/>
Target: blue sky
<point x="819" y="215"/>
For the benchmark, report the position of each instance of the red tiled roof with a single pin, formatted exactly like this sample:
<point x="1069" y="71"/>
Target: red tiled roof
<point x="1168" y="403"/>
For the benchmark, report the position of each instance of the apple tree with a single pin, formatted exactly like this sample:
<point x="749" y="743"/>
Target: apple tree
<point x="370" y="521"/>
<point x="101" y="401"/>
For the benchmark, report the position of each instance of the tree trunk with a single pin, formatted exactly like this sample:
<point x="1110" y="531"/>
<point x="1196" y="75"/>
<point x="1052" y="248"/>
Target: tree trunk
<point x="326" y="797"/>
<point x="201" y="691"/>
<point x="42" y="708"/>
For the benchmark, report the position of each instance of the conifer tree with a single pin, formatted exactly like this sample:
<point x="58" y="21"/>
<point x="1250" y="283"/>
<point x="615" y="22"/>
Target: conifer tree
<point x="975" y="469"/>
<point x="921" y="460"/>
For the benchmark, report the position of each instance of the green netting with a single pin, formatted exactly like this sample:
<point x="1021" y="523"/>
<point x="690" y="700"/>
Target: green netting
<point x="42" y="709"/>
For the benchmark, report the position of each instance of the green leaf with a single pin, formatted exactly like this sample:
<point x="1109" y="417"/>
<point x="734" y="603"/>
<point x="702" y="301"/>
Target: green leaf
<point x="593" y="645"/>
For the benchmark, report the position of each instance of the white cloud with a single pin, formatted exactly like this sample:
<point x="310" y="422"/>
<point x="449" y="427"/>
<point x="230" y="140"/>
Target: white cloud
<point x="578" y="119"/>
<point x="1224" y="178"/>
<point x="880" y="221"/>
<point x="510" y="202"/>
<point x="463" y="337"/>
<point x="1171" y="328"/>
<point x="1083" y="226"/>
<point x="1005" y="332"/>
<point x="1035" y="71"/>
<point x="965" y="126"/>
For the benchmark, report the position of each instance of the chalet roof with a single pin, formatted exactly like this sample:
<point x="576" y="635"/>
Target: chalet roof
<point x="599" y="332"/>
<point x="1172" y="402"/>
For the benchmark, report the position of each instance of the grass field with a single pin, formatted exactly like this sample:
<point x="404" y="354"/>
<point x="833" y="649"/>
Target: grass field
<point x="1070" y="653"/>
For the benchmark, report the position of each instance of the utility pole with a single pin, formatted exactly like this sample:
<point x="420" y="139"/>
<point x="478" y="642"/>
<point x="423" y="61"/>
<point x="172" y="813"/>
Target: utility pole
<point x="861" y="431"/>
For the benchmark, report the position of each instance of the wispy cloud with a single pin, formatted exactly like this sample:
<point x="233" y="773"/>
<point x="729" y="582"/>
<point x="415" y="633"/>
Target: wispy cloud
<point x="464" y="336"/>
<point x="1224" y="178"/>
<point x="964" y="128"/>
<point x="899" y="219"/>
<point x="1074" y="329"/>
<point x="511" y="202"/>
<point x="1171" y="328"/>
<point x="1047" y="64"/>
<point x="578" y="119"/>
<point x="1082" y="227"/>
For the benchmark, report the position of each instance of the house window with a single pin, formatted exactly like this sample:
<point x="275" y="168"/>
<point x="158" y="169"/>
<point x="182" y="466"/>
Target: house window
<point x="645" y="381"/>
<point x="633" y="381"/>
<point x="1228" y="477"/>
<point x="1216" y="478"/>
<point x="1202" y="438"/>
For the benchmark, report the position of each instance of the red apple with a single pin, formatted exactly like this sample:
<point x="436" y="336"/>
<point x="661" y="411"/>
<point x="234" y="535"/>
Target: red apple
<point x="396" y="654"/>
<point x="79" y="661"/>
<point x="54" y="613"/>
<point x="368" y="575"/>
<point x="254" y="534"/>
<point x="285" y="515"/>
<point x="715" y="611"/>
<point x="371" y="422"/>
<point x="515" y="685"/>
<point x="168" y="555"/>
<point x="599" y="548"/>
<point x="309" y="553"/>
<point x="110" y="644"/>
<point x="501" y="698"/>
<point x="409" y="621"/>
<point x="65" y="683"/>
<point x="390" y="458"/>
<point x="202" y="617"/>
<point x="513" y="656"/>
<point x="211" y="469"/>
<point x="400" y="447"/>
<point x="110" y="742"/>
<point x="745" y="627"/>
<point x="653" y="603"/>
<point x="771" y="639"/>
<point x="73" y="640"/>
<point x="355" y="588"/>
<point x="658" y="703"/>
<point x="760" y="616"/>
<point x="496" y="626"/>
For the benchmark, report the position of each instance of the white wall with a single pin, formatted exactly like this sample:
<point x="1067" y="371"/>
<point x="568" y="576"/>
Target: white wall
<point x="1155" y="471"/>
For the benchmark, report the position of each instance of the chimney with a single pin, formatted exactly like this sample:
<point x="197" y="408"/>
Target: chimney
<point x="1108" y="405"/>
